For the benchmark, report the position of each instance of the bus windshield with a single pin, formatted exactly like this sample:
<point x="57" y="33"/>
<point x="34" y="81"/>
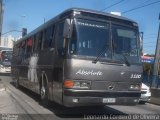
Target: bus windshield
<point x="125" y="43"/>
<point x="6" y="57"/>
<point x="90" y="37"/>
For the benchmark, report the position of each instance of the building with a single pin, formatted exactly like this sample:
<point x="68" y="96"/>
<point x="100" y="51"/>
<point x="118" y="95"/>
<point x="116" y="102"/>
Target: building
<point x="1" y="18"/>
<point x="8" y="41"/>
<point x="147" y="59"/>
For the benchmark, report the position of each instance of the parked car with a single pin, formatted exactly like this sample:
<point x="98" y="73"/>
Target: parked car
<point x="145" y="94"/>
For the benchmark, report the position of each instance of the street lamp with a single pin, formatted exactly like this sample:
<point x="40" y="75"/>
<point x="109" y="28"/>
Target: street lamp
<point x="23" y="31"/>
<point x="11" y="31"/>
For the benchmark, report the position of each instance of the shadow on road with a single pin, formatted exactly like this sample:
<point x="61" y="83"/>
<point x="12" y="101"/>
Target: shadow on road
<point x="76" y="112"/>
<point x="83" y="112"/>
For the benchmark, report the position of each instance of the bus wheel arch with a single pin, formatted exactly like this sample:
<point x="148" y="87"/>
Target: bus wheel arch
<point x="44" y="90"/>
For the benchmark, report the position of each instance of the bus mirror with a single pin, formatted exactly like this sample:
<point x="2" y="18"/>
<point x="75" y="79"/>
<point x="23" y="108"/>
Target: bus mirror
<point x="141" y="42"/>
<point x="66" y="31"/>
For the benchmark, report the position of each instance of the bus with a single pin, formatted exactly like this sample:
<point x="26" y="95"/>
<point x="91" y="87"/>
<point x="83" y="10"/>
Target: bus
<point x="5" y="59"/>
<point x="81" y="57"/>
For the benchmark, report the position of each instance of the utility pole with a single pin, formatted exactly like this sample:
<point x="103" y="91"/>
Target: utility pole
<point x="156" y="79"/>
<point x="1" y="18"/>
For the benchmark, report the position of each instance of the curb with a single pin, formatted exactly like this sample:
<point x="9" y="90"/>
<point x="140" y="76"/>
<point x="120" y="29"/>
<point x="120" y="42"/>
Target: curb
<point x="155" y="96"/>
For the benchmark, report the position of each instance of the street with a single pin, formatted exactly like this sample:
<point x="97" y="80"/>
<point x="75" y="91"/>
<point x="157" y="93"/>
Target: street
<point x="23" y="104"/>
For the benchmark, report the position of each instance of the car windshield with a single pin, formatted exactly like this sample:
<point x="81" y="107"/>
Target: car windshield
<point x="89" y="38"/>
<point x="97" y="39"/>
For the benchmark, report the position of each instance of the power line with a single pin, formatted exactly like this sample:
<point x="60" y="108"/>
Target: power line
<point x="150" y="34"/>
<point x="145" y="2"/>
<point x="140" y="7"/>
<point x="149" y="47"/>
<point x="149" y="43"/>
<point x="112" y="5"/>
<point x="150" y="37"/>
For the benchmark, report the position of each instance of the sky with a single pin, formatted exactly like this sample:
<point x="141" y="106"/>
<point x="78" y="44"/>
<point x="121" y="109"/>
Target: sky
<point x="32" y="13"/>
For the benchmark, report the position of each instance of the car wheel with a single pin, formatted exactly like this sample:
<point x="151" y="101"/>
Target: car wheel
<point x="142" y="102"/>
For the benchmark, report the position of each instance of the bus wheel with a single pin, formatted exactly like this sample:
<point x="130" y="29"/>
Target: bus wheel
<point x="44" y="94"/>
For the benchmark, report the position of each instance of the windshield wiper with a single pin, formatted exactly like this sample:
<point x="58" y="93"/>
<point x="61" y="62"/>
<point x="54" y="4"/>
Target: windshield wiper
<point x="125" y="59"/>
<point x="100" y="54"/>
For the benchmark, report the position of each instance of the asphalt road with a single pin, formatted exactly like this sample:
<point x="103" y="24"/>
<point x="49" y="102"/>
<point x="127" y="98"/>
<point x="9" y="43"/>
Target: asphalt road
<point x="21" y="104"/>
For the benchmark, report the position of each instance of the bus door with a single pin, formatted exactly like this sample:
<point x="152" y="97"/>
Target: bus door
<point x="28" y="64"/>
<point x="59" y="59"/>
<point x="46" y="56"/>
<point x="34" y="66"/>
<point x="22" y="67"/>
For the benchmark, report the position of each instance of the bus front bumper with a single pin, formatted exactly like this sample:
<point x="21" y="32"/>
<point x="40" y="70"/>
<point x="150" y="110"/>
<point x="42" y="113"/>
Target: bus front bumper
<point x="73" y="98"/>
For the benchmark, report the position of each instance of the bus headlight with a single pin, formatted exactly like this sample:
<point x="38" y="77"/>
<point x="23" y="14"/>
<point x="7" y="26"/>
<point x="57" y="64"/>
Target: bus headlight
<point x="77" y="84"/>
<point x="135" y="87"/>
<point x="81" y="84"/>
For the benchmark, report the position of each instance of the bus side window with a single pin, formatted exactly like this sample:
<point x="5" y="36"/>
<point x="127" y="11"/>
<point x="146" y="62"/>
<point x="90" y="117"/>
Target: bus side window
<point x="59" y="38"/>
<point x="39" y="37"/>
<point x="22" y="49"/>
<point x="48" y="38"/>
<point x="29" y="47"/>
<point x="52" y="42"/>
<point x="34" y="43"/>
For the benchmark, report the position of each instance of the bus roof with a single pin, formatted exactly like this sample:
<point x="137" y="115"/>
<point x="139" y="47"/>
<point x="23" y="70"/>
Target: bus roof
<point x="69" y="12"/>
<point x="99" y="13"/>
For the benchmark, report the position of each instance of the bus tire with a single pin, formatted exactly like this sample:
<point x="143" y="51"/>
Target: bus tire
<point x="44" y="93"/>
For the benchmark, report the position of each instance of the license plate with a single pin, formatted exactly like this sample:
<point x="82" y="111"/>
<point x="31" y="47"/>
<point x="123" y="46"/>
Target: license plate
<point x="109" y="100"/>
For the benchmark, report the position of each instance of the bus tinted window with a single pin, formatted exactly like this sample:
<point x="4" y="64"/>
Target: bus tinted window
<point x="49" y="32"/>
<point x="6" y="55"/>
<point x="29" y="47"/>
<point x="39" y="37"/>
<point x="59" y="36"/>
<point x="22" y="49"/>
<point x="125" y="42"/>
<point x="89" y="37"/>
<point x="38" y="41"/>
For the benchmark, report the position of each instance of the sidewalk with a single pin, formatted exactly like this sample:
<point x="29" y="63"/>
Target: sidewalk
<point x="2" y="87"/>
<point x="6" y="103"/>
<point x="155" y="96"/>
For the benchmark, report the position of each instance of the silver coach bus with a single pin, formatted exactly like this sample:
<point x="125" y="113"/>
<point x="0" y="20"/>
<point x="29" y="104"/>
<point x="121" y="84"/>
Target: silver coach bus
<point x="81" y="58"/>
